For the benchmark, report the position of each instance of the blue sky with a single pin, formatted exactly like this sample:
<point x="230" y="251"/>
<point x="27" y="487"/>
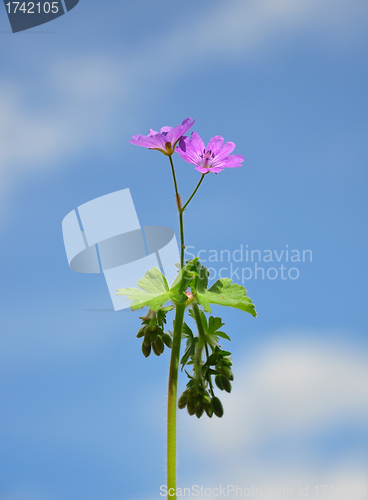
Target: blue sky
<point x="82" y="412"/>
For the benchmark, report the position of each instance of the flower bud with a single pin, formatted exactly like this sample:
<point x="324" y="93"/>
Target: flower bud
<point x="226" y="383"/>
<point x="206" y="398"/>
<point x="182" y="403"/>
<point x="226" y="362"/>
<point x="160" y="344"/>
<point x="146" y="349"/>
<point x="191" y="407"/>
<point x="189" y="394"/>
<point x="140" y="333"/>
<point x="158" y="348"/>
<point x="167" y="339"/>
<point x="208" y="409"/>
<point x="147" y="341"/>
<point x="225" y="370"/>
<point x="218" y="382"/>
<point x="152" y="336"/>
<point x="198" y="408"/>
<point x="217" y="407"/>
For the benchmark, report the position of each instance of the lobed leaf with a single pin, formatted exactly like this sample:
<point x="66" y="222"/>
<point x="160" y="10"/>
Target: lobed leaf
<point x="154" y="291"/>
<point x="226" y="293"/>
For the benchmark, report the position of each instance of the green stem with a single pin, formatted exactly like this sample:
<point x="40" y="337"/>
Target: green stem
<point x="180" y="210"/>
<point x="175" y="354"/>
<point x="174" y="176"/>
<point x="194" y="192"/>
<point x="171" y="403"/>
<point x="201" y="334"/>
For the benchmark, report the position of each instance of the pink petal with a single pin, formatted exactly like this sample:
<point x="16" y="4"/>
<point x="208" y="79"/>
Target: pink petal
<point x="190" y="156"/>
<point x="227" y="148"/>
<point x="165" y="129"/>
<point x="233" y="161"/>
<point x="153" y="141"/>
<point x="196" y="143"/>
<point x="186" y="124"/>
<point x="203" y="170"/>
<point x="142" y="140"/>
<point x="174" y="134"/>
<point x="215" y="144"/>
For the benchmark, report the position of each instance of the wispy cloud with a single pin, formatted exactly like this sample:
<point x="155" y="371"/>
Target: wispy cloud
<point x="287" y="389"/>
<point x="289" y="395"/>
<point x="80" y="103"/>
<point x="84" y="93"/>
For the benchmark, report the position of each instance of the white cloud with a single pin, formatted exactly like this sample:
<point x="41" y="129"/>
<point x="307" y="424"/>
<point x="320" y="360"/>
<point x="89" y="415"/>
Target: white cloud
<point x="81" y="96"/>
<point x="84" y="94"/>
<point x="287" y="390"/>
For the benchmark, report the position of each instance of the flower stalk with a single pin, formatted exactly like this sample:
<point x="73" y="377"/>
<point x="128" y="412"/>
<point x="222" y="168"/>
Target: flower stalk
<point x="155" y="292"/>
<point x="175" y="352"/>
<point x="171" y="401"/>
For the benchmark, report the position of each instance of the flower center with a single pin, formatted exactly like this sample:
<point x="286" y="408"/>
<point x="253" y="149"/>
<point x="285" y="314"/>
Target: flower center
<point x="207" y="157"/>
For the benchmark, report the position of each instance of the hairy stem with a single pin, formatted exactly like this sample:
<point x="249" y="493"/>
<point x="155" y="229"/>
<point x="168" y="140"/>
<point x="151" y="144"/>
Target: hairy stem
<point x="180" y="210"/>
<point x="194" y="192"/>
<point x="171" y="403"/>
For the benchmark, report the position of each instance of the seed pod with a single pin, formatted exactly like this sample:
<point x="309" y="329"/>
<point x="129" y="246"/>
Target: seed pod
<point x="140" y="333"/>
<point x="226" y="384"/>
<point x="217" y="407"/>
<point x="167" y="339"/>
<point x="191" y="407"/>
<point x="218" y="382"/>
<point x="182" y="403"/>
<point x="208" y="409"/>
<point x="159" y="345"/>
<point x="146" y="349"/>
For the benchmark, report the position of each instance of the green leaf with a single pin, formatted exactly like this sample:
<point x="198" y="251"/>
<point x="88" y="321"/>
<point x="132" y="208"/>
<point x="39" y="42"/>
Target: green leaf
<point x="223" y="335"/>
<point x="222" y="353"/>
<point x="201" y="280"/>
<point x="184" y="277"/>
<point x="191" y="314"/>
<point x="211" y="360"/>
<point x="226" y="293"/>
<point x="214" y="324"/>
<point x="203" y="320"/>
<point x="211" y="372"/>
<point x="188" y="352"/>
<point x="155" y="291"/>
<point x="187" y="332"/>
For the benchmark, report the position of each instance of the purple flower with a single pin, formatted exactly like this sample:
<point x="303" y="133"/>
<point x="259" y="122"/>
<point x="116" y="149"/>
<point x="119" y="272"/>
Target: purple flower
<point x="165" y="140"/>
<point x="214" y="158"/>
